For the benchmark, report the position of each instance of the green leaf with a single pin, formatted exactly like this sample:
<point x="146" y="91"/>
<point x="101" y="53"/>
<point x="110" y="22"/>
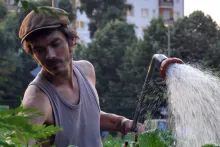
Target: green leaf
<point x="51" y="12"/>
<point x="16" y="1"/>
<point x="35" y="8"/>
<point x="25" y="4"/>
<point x="5" y="144"/>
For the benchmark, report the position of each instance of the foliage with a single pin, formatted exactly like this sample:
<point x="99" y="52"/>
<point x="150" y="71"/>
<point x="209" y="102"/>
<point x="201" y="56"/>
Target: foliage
<point x="135" y="67"/>
<point x="139" y="55"/>
<point x="106" y="52"/>
<point x="101" y="12"/>
<point x="16" y="65"/>
<point x="67" y="6"/>
<point x="192" y="37"/>
<point x="16" y="131"/>
<point x="44" y="3"/>
<point x="3" y="10"/>
<point x="8" y="62"/>
<point x="210" y="145"/>
<point x="156" y="138"/>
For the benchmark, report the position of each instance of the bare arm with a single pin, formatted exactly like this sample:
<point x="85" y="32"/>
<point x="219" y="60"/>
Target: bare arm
<point x="113" y="122"/>
<point x="35" y="98"/>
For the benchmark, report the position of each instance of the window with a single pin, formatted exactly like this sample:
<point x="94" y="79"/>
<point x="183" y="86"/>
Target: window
<point x="144" y="12"/>
<point x="143" y="28"/>
<point x="130" y="12"/>
<point x="177" y="15"/>
<point x="80" y="24"/>
<point x="154" y="13"/>
<point x="77" y="24"/>
<point x="78" y="4"/>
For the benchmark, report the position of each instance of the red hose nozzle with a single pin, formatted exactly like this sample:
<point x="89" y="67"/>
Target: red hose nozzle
<point x="165" y="64"/>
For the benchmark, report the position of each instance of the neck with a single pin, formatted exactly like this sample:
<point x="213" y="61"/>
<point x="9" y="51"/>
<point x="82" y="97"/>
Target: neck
<point x="64" y="78"/>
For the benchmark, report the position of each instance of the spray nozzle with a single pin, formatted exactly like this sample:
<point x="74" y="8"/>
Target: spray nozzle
<point x="161" y="61"/>
<point x="165" y="63"/>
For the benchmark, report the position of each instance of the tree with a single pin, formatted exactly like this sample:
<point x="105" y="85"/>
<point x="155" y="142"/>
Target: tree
<point x="192" y="37"/>
<point x="3" y="10"/>
<point x="67" y="6"/>
<point x="101" y="12"/>
<point x="106" y="53"/>
<point x="155" y="42"/>
<point x="135" y="68"/>
<point x="107" y="50"/>
<point x="15" y="63"/>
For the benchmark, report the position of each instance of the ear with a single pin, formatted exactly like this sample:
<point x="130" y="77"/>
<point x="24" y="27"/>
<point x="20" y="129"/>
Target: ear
<point x="72" y="42"/>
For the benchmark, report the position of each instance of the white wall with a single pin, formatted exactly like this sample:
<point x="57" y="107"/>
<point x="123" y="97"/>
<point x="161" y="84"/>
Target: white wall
<point x="178" y="8"/>
<point x="136" y="19"/>
<point x="139" y="20"/>
<point x="83" y="33"/>
<point x="10" y="2"/>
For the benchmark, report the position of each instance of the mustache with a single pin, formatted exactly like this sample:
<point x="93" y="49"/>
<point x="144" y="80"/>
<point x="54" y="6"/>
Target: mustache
<point x="52" y="62"/>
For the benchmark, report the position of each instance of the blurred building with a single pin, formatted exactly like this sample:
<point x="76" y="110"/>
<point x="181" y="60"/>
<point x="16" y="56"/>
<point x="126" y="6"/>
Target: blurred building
<point x="81" y="24"/>
<point x="11" y="6"/>
<point x="141" y="14"/>
<point x="144" y="11"/>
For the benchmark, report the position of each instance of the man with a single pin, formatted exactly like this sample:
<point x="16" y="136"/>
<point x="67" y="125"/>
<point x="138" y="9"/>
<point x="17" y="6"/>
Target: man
<point x="64" y="90"/>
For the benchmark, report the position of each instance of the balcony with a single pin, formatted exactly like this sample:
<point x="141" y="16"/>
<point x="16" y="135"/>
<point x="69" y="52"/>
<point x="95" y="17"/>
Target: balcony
<point x="166" y="3"/>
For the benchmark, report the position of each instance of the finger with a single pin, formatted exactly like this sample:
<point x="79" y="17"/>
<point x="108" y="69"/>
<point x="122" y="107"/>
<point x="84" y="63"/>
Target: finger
<point x="140" y="128"/>
<point x="129" y="126"/>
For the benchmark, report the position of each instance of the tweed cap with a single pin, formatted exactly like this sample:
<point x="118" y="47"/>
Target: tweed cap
<point x="36" y="21"/>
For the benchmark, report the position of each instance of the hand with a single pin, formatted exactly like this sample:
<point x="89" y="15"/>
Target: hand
<point x="126" y="125"/>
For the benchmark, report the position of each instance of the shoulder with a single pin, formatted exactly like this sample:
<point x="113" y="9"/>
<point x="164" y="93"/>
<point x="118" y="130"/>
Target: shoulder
<point x="35" y="98"/>
<point x="87" y="68"/>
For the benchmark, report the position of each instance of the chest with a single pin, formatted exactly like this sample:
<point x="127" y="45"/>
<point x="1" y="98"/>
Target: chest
<point x="70" y="94"/>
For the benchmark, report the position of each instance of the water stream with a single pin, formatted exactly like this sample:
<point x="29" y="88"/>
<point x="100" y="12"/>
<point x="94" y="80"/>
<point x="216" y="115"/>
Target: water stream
<point x="194" y="105"/>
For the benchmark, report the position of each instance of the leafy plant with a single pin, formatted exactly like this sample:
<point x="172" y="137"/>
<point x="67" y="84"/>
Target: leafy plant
<point x="156" y="138"/>
<point x="210" y="145"/>
<point x="15" y="129"/>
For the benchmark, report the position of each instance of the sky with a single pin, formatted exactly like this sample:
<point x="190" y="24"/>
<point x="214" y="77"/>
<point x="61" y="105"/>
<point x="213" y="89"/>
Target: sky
<point x="209" y="7"/>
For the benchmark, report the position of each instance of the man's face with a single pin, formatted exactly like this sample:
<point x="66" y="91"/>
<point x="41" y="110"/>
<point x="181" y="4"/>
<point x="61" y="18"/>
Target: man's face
<point x="52" y="52"/>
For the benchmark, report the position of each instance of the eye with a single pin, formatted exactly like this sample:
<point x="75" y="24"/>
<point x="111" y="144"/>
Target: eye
<point x="38" y="50"/>
<point x="56" y="43"/>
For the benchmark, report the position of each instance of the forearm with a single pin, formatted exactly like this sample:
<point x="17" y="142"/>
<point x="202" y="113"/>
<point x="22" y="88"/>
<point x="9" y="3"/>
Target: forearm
<point x="111" y="122"/>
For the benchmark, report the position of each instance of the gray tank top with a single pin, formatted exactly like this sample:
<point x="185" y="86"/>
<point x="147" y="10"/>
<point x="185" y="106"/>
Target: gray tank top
<point x="80" y="123"/>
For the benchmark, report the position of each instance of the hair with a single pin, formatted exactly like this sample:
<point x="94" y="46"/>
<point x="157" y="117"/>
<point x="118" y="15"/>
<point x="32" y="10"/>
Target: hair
<point x="69" y="34"/>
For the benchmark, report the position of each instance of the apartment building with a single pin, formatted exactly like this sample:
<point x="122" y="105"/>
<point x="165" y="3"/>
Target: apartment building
<point x="144" y="11"/>
<point x="10" y="5"/>
<point x="81" y="24"/>
<point x="141" y="14"/>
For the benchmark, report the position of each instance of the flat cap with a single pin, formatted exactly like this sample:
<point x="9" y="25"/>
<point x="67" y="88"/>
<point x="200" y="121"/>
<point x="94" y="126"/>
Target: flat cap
<point x="36" y="21"/>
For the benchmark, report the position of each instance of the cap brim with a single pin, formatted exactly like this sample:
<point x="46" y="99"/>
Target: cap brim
<point x="52" y="26"/>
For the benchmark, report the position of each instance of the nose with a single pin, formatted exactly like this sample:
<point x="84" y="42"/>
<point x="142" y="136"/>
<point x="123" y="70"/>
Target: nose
<point x="51" y="54"/>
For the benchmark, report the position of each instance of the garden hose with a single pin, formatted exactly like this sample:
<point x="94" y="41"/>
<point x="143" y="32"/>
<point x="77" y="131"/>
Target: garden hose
<point x="158" y="61"/>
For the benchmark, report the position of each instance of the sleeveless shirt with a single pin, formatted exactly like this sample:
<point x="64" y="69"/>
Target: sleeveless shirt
<point x="81" y="122"/>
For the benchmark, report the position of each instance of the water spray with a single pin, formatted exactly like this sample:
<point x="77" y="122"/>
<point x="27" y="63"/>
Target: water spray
<point x="158" y="61"/>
